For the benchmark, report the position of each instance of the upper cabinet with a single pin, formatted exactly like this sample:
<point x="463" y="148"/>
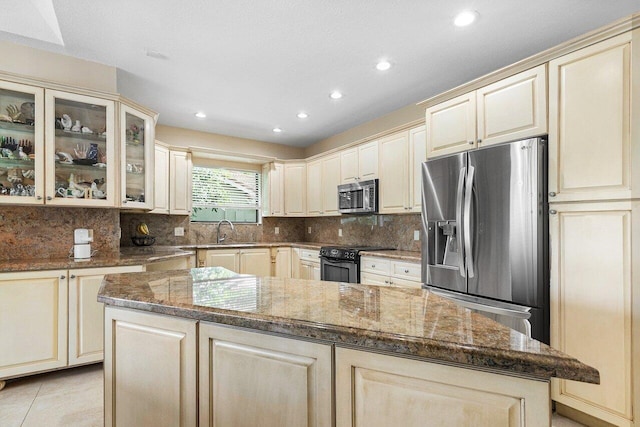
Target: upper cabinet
<point x="21" y="144"/>
<point x="510" y="109"/>
<point x="80" y="150"/>
<point x="590" y="123"/>
<point x="136" y="158"/>
<point x="161" y="180"/>
<point x="359" y="163"/>
<point x="180" y="184"/>
<point x="323" y="178"/>
<point x="295" y="186"/>
<point x="273" y="189"/>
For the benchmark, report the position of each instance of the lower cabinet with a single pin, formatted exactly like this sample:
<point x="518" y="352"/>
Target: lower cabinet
<point x="594" y="306"/>
<point x="149" y="370"/>
<point x="379" y="390"/>
<point x="173" y="264"/>
<point x="305" y="264"/>
<point x="281" y="258"/>
<point x="389" y="272"/>
<point x="254" y="379"/>
<point x="256" y="261"/>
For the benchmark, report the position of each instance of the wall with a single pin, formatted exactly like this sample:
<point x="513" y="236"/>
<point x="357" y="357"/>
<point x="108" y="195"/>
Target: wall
<point x="40" y="64"/>
<point x="47" y="232"/>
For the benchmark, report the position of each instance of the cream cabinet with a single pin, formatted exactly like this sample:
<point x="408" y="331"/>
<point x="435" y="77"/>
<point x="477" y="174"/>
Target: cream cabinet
<point x="80" y="159"/>
<point x="154" y="382"/>
<point x="379" y="390"/>
<point x="33" y="315"/>
<point x="161" y="180"/>
<point x="389" y="272"/>
<point x="137" y="158"/>
<point x="281" y="259"/>
<point x="323" y="178"/>
<point x="273" y="189"/>
<point x="180" y="184"/>
<point x="295" y="189"/>
<point x="251" y="379"/>
<point x="256" y="261"/>
<point x="590" y="123"/>
<point x="400" y="166"/>
<point x="510" y="109"/>
<point x="21" y="179"/>
<point x="359" y="163"/>
<point x="308" y="264"/>
<point x="593" y="248"/>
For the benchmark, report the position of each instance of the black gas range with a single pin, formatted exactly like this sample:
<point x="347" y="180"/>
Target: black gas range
<point x="342" y="263"/>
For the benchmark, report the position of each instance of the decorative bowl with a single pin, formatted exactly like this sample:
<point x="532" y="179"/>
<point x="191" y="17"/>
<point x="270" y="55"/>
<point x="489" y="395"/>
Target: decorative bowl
<point x="86" y="162"/>
<point x="143" y="240"/>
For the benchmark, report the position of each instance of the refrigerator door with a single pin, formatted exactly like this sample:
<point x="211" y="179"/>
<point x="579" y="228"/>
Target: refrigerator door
<point x="442" y="209"/>
<point x="504" y="220"/>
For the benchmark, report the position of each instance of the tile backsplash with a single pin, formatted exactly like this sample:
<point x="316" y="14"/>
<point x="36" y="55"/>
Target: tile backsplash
<point x="47" y="232"/>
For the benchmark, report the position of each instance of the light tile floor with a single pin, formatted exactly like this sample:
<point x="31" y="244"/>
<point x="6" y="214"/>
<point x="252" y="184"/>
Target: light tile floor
<point x="74" y="398"/>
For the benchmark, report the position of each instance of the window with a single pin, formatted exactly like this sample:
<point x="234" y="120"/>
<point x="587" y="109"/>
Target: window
<point x="221" y="193"/>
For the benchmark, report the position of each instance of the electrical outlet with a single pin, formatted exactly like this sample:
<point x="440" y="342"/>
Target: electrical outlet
<point x="277" y="230"/>
<point x="339" y="232"/>
<point x="178" y="231"/>
<point x="309" y="230"/>
<point x="416" y="234"/>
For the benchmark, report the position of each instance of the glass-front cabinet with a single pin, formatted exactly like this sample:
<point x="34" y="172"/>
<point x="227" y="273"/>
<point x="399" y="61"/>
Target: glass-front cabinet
<point x="21" y="144"/>
<point x="81" y="159"/>
<point x="137" y="158"/>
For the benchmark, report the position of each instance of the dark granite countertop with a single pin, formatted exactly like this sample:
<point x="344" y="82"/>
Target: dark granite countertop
<point x="406" y="322"/>
<point x="234" y="245"/>
<point x="126" y="256"/>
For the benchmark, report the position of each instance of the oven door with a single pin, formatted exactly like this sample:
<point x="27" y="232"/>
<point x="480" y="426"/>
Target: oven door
<point x="339" y="270"/>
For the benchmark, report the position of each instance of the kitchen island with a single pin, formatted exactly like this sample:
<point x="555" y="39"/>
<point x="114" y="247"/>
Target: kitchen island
<point x="210" y="347"/>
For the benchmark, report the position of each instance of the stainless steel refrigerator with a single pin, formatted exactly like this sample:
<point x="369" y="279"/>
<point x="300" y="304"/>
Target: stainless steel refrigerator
<point x="485" y="232"/>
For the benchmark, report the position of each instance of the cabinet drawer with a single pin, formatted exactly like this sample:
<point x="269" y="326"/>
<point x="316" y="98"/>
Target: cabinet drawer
<point x="404" y="283"/>
<point x="375" y="265"/>
<point x="374" y="279"/>
<point x="312" y="255"/>
<point x="406" y="270"/>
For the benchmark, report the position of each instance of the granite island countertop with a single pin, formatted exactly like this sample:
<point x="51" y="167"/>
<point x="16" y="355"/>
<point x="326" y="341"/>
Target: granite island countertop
<point x="405" y="322"/>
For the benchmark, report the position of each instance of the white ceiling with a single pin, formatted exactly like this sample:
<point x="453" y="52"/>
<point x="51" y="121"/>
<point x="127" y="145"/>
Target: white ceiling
<point x="253" y="65"/>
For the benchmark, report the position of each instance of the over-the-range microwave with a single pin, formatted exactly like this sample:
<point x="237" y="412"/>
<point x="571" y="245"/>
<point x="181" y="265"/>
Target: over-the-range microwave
<point x="358" y="197"/>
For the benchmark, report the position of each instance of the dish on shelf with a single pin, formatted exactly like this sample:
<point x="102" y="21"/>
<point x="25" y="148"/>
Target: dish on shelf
<point x="85" y="162"/>
<point x="143" y="240"/>
<point x="100" y="165"/>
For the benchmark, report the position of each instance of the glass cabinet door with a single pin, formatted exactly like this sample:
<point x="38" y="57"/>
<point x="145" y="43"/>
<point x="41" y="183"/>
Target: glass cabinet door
<point x="137" y="162"/>
<point x="81" y="158"/>
<point x="21" y="144"/>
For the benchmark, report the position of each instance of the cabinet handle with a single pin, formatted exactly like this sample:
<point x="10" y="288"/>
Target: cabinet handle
<point x="124" y="202"/>
<point x="479" y="141"/>
<point x="552" y="194"/>
<point x="406" y="270"/>
<point x="39" y="198"/>
<point x="553" y="211"/>
<point x="63" y="277"/>
<point x="470" y="142"/>
<point x="73" y="276"/>
<point x="387" y="282"/>
<point x="373" y="266"/>
<point x="49" y="198"/>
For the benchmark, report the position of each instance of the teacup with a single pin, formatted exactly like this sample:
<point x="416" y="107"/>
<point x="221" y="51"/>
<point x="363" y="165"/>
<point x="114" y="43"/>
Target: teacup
<point x="70" y="192"/>
<point x="99" y="194"/>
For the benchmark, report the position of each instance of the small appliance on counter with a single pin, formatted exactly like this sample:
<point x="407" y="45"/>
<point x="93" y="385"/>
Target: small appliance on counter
<point x="82" y="238"/>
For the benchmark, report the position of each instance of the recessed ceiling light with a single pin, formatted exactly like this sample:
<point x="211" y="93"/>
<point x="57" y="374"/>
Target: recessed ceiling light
<point x="464" y="18"/>
<point x="336" y="94"/>
<point x="383" y="65"/>
<point x="302" y="115"/>
<point x="201" y="115"/>
<point x="277" y="130"/>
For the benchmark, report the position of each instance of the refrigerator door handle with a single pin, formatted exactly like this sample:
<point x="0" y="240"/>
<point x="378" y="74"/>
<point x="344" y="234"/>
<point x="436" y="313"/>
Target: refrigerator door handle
<point x="468" y="242"/>
<point x="468" y="302"/>
<point x="459" y="228"/>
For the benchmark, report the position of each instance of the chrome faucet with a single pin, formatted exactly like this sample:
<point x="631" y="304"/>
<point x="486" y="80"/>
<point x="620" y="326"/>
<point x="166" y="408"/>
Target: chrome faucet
<point x="224" y="236"/>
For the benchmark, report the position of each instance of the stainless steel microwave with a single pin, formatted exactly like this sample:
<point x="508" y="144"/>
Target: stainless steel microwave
<point x="359" y="197"/>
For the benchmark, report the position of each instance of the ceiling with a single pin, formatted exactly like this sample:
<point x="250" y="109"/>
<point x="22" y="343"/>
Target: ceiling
<point x="253" y="65"/>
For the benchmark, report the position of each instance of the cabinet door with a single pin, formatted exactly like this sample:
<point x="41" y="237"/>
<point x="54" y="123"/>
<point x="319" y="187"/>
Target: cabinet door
<point x="368" y="161"/>
<point x="180" y="183"/>
<point x="590" y="123"/>
<point x="136" y="158"/>
<point x="283" y="263"/>
<point x="513" y="108"/>
<point x="226" y="258"/>
<point x="378" y="390"/>
<point x="591" y="285"/>
<point x="22" y="144"/>
<point x="252" y="379"/>
<point x="86" y="314"/>
<point x="33" y="315"/>
<point x="451" y="126"/>
<point x="276" y="189"/>
<point x="315" y="194"/>
<point x="330" y="182"/>
<point x="150" y="367"/>
<point x="349" y="165"/>
<point x="161" y="184"/>
<point x="81" y="162"/>
<point x="255" y="261"/>
<point x="295" y="263"/>
<point x="394" y="173"/>
<point x="417" y="155"/>
<point x="295" y="185"/>
<point x="374" y="279"/>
